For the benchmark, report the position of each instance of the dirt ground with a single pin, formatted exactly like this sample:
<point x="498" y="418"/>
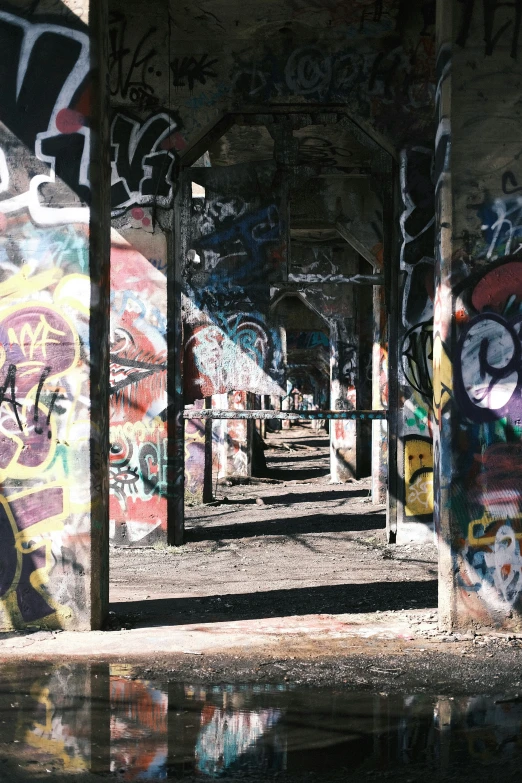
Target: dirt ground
<point x="291" y="544"/>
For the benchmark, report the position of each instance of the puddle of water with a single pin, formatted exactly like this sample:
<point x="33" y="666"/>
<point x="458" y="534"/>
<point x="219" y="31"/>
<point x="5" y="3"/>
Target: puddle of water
<point x="99" y="720"/>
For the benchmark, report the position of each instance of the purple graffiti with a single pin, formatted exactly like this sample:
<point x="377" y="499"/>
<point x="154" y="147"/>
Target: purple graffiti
<point x="17" y="515"/>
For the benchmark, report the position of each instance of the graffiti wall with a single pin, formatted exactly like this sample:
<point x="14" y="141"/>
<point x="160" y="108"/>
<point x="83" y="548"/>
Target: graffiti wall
<point x="236" y="246"/>
<point x="477" y="345"/>
<point x="416" y="340"/>
<point x="48" y="443"/>
<point x="145" y="140"/>
<point x="138" y="388"/>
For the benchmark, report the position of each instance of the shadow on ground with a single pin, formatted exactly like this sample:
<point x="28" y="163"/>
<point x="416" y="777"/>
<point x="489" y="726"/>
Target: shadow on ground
<point x="332" y="599"/>
<point x="299" y="474"/>
<point x="315" y="523"/>
<point x="300" y="497"/>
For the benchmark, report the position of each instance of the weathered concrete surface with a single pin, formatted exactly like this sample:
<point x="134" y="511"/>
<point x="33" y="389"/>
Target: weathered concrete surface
<point x="54" y="316"/>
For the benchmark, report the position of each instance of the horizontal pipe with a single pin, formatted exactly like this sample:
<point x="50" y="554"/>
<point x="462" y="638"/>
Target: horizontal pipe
<point x="325" y="279"/>
<point x="216" y="413"/>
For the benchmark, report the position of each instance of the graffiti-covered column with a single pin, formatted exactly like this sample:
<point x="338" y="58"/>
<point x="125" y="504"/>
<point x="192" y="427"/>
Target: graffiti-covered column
<point x="343" y="396"/>
<point x="239" y="434"/>
<point x="54" y="250"/>
<point x="379" y="397"/>
<point x="415" y="491"/>
<point x="478" y="315"/>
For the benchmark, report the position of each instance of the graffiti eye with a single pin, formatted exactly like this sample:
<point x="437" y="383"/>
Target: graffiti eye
<point x="116" y="448"/>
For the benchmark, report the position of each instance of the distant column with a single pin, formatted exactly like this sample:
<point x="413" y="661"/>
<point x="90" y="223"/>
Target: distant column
<point x="379" y="398"/>
<point x="343" y="396"/>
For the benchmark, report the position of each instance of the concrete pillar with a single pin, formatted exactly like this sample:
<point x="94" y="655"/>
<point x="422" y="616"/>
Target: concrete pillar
<point x="286" y="405"/>
<point x="198" y="457"/>
<point x="363" y="301"/>
<point x="219" y="431"/>
<point x="343" y="396"/>
<point x="379" y="398"/>
<point x="478" y="298"/>
<point x="195" y="450"/>
<point x="234" y="438"/>
<point x="239" y="438"/>
<point x="54" y="315"/>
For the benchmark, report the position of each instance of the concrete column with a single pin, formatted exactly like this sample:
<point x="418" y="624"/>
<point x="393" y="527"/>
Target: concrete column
<point x="198" y="457"/>
<point x="54" y="316"/>
<point x="234" y="438"/>
<point x="343" y="396"/>
<point x="379" y="397"/>
<point x="286" y="405"/>
<point x="478" y="299"/>
<point x="239" y="437"/>
<point x="195" y="449"/>
<point x="219" y="432"/>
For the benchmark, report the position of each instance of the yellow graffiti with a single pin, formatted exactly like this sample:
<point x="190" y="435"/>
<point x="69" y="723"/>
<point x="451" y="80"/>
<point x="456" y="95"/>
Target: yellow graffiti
<point x="70" y="288"/>
<point x="22" y="283"/>
<point x="31" y="340"/>
<point x="418" y="477"/>
<point x="27" y="541"/>
<point x="442" y="377"/>
<point x="483" y="523"/>
<point x="43" y="736"/>
<point x="74" y="431"/>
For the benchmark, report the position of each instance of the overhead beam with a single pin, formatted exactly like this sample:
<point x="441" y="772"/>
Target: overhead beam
<point x="357" y="245"/>
<point x="324" y="280"/>
<point x="216" y="413"/>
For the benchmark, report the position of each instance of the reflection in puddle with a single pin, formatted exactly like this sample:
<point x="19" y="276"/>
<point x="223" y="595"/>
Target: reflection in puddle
<point x="82" y="719"/>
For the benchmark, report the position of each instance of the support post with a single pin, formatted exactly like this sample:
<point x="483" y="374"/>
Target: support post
<point x="343" y="374"/>
<point x="477" y="366"/>
<point x="54" y="316"/>
<point x="207" y="479"/>
<point x="176" y="423"/>
<point x="379" y="398"/>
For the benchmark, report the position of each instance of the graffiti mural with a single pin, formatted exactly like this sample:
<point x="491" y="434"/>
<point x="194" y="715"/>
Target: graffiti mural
<point x="143" y="155"/>
<point x="139" y="466"/>
<point x="133" y="64"/>
<point x="44" y="425"/>
<point x="418" y="475"/>
<point x="417" y="263"/>
<point x="235" y="353"/>
<point x="228" y="344"/>
<point x="48" y="117"/>
<point x="487" y="390"/>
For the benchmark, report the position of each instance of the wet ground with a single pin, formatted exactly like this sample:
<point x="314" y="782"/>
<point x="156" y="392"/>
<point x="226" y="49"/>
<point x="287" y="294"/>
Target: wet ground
<point x="285" y="641"/>
<point x="99" y="722"/>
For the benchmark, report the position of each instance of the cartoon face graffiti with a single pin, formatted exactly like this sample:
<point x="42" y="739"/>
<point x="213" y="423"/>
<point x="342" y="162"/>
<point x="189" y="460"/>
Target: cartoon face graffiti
<point x="418" y="476"/>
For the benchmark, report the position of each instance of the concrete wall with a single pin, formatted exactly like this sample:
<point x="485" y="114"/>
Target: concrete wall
<point x="478" y="299"/>
<point x="53" y="317"/>
<point x="416" y="342"/>
<point x="145" y="138"/>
